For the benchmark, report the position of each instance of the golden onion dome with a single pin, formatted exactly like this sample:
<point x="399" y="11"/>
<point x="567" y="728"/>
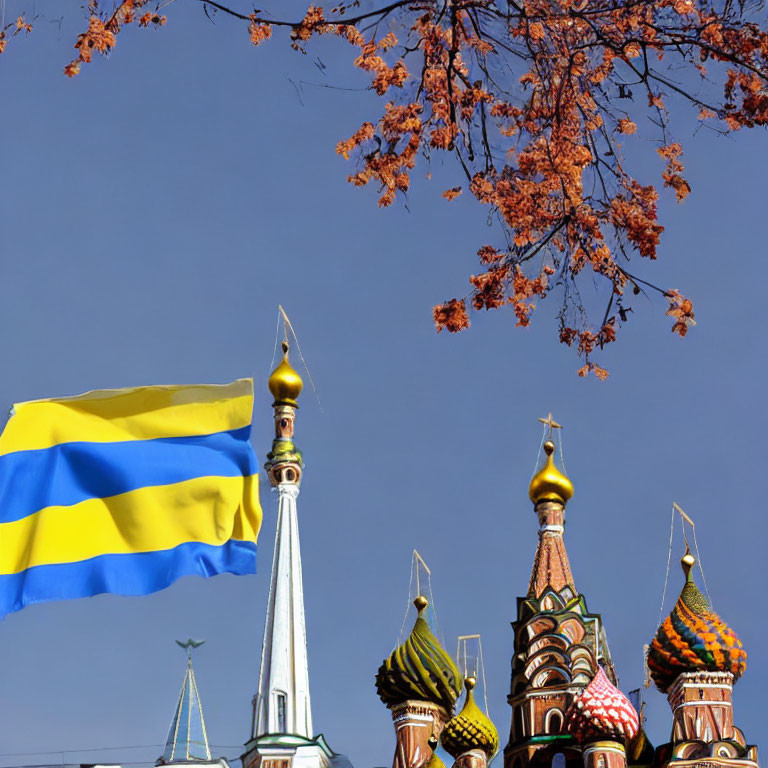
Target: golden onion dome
<point x="470" y="729"/>
<point x="419" y="669"/>
<point x="693" y="638"/>
<point x="549" y="483"/>
<point x="284" y="383"/>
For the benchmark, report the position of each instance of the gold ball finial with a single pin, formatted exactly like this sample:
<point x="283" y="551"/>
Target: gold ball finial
<point x="687" y="561"/>
<point x="470" y="682"/>
<point x="549" y="447"/>
<point x="421" y="603"/>
<point x="284" y="383"/>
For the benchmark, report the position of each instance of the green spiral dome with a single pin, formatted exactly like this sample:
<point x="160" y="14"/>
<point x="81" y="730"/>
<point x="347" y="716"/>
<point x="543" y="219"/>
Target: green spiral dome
<point x="419" y="669"/>
<point x="470" y="729"/>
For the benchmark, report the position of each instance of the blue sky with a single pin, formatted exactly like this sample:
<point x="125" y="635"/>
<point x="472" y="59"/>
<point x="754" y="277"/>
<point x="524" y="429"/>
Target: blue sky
<point x="153" y="213"/>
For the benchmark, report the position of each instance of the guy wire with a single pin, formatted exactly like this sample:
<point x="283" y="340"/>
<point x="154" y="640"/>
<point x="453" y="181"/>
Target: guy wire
<point x="538" y="453"/>
<point x="482" y="668"/>
<point x="562" y="455"/>
<point x="274" y="351"/>
<point x="669" y="561"/>
<point x="287" y="323"/>
<point x="701" y="568"/>
<point x="408" y="601"/>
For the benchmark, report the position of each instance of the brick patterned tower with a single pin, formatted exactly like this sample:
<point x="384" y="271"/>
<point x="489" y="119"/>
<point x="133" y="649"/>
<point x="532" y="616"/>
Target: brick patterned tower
<point x="695" y="659"/>
<point x="559" y="646"/>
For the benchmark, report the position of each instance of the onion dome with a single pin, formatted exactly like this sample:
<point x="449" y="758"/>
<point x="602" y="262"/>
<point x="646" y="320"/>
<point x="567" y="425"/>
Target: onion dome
<point x="470" y="729"/>
<point x="693" y="638"/>
<point x="602" y="712"/>
<point x="419" y="669"/>
<point x="549" y="483"/>
<point x="284" y="383"/>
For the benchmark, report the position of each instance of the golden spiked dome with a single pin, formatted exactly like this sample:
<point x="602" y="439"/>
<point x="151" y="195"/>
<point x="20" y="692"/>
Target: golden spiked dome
<point x="284" y="383"/>
<point x="419" y="669"/>
<point x="549" y="483"/>
<point x="470" y="729"/>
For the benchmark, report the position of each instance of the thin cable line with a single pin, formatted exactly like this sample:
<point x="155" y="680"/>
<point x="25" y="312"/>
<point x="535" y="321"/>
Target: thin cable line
<point x="274" y="351"/>
<point x="701" y="568"/>
<point x="562" y="454"/>
<point x="289" y="325"/>
<point x="669" y="562"/>
<point x="407" y="602"/>
<point x="538" y="453"/>
<point x="102" y="749"/>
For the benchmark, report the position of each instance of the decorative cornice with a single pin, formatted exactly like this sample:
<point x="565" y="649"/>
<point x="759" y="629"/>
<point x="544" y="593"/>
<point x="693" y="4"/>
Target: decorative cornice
<point x="289" y="489"/>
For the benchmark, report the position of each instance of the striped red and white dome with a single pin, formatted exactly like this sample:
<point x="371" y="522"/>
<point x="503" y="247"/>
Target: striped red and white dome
<point x="602" y="711"/>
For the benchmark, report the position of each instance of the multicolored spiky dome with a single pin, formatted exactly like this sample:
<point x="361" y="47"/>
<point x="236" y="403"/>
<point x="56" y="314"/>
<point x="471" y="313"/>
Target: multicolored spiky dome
<point x="693" y="638"/>
<point x="470" y="729"/>
<point x="419" y="669"/>
<point x="602" y="711"/>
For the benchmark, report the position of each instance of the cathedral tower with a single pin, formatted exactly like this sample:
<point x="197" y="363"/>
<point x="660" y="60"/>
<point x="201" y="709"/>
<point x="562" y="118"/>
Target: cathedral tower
<point x="282" y="734"/>
<point x="560" y="650"/>
<point x="695" y="659"/>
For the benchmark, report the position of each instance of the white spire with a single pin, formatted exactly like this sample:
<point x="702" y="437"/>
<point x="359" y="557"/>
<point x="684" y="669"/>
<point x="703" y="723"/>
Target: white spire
<point x="282" y="718"/>
<point x="187" y="737"/>
<point x="282" y="702"/>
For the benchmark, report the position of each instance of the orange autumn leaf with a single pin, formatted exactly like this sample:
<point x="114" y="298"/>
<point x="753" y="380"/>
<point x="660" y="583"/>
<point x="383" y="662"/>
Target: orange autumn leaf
<point x="625" y="125"/>
<point x="451" y="194"/>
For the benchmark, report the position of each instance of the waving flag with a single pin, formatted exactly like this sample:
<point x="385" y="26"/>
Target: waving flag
<point x="125" y="491"/>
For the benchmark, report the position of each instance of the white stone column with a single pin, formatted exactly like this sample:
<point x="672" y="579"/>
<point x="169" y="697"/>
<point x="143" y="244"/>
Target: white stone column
<point x="282" y="704"/>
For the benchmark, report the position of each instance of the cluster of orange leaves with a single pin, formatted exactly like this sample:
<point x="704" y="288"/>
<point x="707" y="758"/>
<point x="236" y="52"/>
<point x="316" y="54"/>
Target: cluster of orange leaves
<point x="102" y="31"/>
<point x="564" y="207"/>
<point x="535" y="102"/>
<point x="15" y="28"/>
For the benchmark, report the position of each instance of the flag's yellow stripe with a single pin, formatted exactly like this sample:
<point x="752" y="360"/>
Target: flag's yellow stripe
<point x="140" y="413"/>
<point x="210" y="510"/>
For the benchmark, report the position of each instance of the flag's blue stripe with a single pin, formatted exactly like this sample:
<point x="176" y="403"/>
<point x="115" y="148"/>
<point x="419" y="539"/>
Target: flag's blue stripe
<point x="136" y="574"/>
<point x="69" y="473"/>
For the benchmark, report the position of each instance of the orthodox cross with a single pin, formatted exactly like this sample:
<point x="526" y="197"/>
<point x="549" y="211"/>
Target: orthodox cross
<point x="550" y="424"/>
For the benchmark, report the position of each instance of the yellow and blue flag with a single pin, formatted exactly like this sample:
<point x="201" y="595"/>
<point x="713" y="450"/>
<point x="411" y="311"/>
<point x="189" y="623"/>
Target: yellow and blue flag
<point x="125" y="491"/>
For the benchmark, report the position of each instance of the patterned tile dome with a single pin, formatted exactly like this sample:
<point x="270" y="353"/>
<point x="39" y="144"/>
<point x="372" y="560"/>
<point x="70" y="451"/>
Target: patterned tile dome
<point x="470" y="729"/>
<point x="602" y="711"/>
<point x="693" y="638"/>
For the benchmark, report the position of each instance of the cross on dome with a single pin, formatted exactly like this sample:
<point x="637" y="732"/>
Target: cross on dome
<point x="550" y="423"/>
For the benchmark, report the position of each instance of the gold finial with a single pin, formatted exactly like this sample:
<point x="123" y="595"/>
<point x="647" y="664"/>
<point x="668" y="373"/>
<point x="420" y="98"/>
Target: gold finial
<point x="421" y="603"/>
<point x="687" y="561"/>
<point x="549" y="483"/>
<point x="284" y="383"/>
<point x="470" y="682"/>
